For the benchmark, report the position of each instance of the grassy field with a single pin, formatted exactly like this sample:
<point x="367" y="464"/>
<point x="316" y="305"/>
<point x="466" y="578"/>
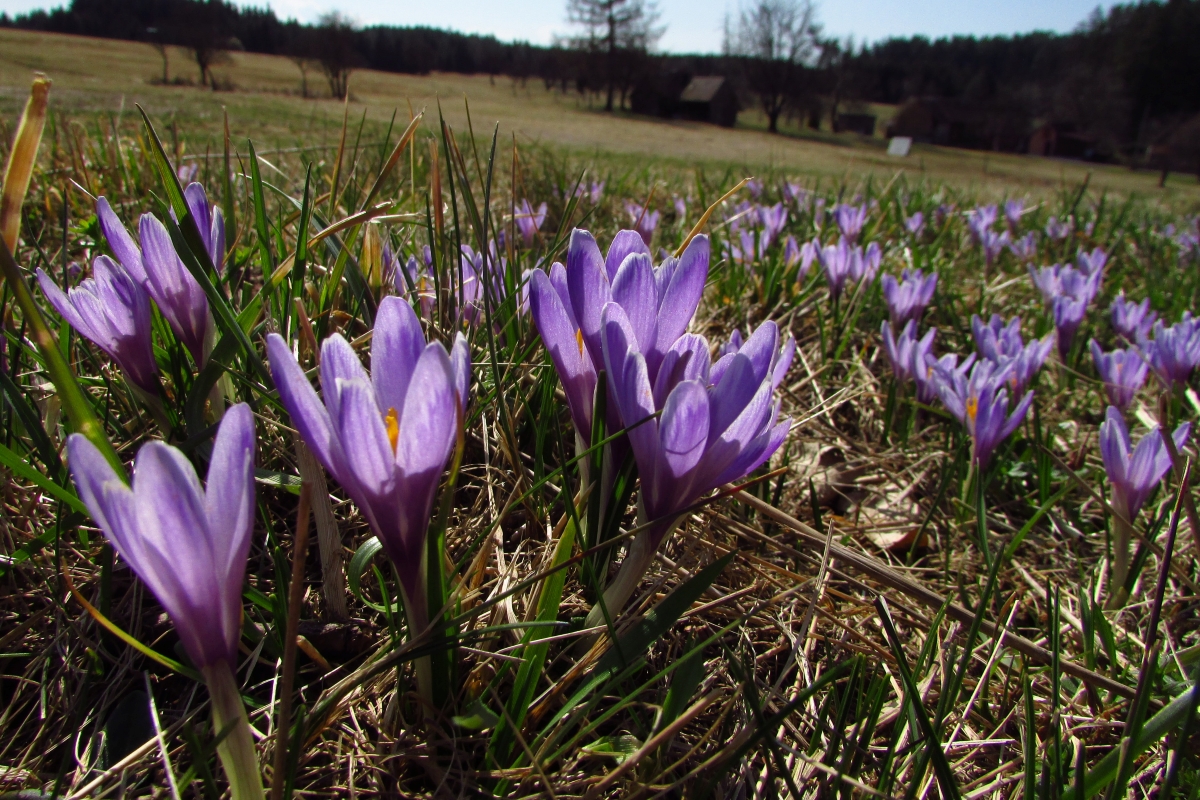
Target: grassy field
<point x="910" y="597"/>
<point x="97" y="76"/>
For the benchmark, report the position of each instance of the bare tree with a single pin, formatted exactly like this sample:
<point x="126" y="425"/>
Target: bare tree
<point x="776" y="40"/>
<point x="336" y="51"/>
<point x="612" y="29"/>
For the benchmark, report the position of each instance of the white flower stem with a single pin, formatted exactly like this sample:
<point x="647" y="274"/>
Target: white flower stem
<point x="236" y="751"/>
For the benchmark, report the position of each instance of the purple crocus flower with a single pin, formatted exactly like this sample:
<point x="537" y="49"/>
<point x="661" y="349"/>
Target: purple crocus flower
<point x="925" y="373"/>
<point x="907" y="298"/>
<point x="1013" y="209"/>
<point x="907" y="354"/>
<point x="755" y="187"/>
<point x="843" y="262"/>
<point x="995" y="340"/>
<point x="158" y="268"/>
<point x="796" y="193"/>
<point x="850" y="219"/>
<point x="1091" y="263"/>
<point x="791" y="253"/>
<point x="773" y="219"/>
<point x="1174" y="351"/>
<point x="411" y="273"/>
<point x="385" y="436"/>
<point x="705" y="437"/>
<point x="1002" y="345"/>
<point x="980" y="403"/>
<point x="187" y="172"/>
<point x="529" y="221"/>
<point x="644" y="221"/>
<point x="712" y="430"/>
<point x="1024" y="248"/>
<point x="593" y="192"/>
<point x="113" y="312"/>
<point x="680" y="208"/>
<point x="1123" y="373"/>
<point x="1060" y="230"/>
<point x="189" y="546"/>
<point x="565" y="307"/>
<point x="979" y="220"/>
<point x="915" y="224"/>
<point x="992" y="244"/>
<point x="209" y="221"/>
<point x="1134" y="472"/>
<point x="1132" y="320"/>
<point x="1068" y="291"/>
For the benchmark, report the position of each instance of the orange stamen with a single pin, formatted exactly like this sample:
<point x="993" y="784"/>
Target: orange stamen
<point x="579" y="340"/>
<point x="392" y="420"/>
<point x="972" y="407"/>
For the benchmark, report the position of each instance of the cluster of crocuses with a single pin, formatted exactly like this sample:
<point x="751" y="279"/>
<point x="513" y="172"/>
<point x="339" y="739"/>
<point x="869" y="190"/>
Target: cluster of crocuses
<point x="978" y="391"/>
<point x="691" y="424"/>
<point x="187" y="544"/>
<point x="753" y="228"/>
<point x="1173" y="353"/>
<point x="112" y="308"/>
<point x="1068" y="291"/>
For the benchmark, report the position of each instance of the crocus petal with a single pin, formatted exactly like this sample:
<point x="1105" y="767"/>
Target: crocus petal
<point x="179" y="552"/>
<point x="396" y="344"/>
<point x="339" y="362"/>
<point x="308" y="414"/>
<point x="630" y="381"/>
<point x="624" y="244"/>
<point x="683" y="428"/>
<point x="785" y="360"/>
<point x="634" y="289"/>
<point x="573" y="364"/>
<point x="197" y="202"/>
<point x="761" y="348"/>
<point x="62" y="305"/>
<point x="588" y="285"/>
<point x="370" y="459"/>
<point x="119" y="240"/>
<point x="178" y="295"/>
<point x="1016" y="417"/>
<point x="460" y="363"/>
<point x="682" y="296"/>
<point x="229" y="496"/>
<point x="688" y="359"/>
<point x="756" y="453"/>
<point x="727" y="444"/>
<point x="732" y="394"/>
<point x="426" y="441"/>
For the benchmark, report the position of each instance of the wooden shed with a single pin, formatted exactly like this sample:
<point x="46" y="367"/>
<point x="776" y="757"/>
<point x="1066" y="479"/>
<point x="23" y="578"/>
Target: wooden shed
<point x="708" y="98"/>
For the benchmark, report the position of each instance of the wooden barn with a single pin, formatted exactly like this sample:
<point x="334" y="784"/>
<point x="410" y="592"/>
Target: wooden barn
<point x="701" y="98"/>
<point x="709" y="98"/>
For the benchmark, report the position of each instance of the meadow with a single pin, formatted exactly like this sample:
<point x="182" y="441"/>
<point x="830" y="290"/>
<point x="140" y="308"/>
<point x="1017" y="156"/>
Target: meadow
<point x="744" y="493"/>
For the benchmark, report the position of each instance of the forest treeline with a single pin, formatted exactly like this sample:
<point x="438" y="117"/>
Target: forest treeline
<point x="1127" y="80"/>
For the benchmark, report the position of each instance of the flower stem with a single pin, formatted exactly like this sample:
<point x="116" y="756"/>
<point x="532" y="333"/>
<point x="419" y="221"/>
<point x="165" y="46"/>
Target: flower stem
<point x="1122" y="536"/>
<point x="236" y="750"/>
<point x="981" y="515"/>
<point x="283" y="729"/>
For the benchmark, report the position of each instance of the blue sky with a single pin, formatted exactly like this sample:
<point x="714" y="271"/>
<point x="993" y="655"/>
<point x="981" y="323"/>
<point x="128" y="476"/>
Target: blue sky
<point x="695" y="25"/>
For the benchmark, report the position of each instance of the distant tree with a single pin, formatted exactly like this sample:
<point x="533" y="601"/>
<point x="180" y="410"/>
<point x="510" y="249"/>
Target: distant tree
<point x="336" y="51"/>
<point x="200" y="27"/>
<point x="775" y="40"/>
<point x="613" y="30"/>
